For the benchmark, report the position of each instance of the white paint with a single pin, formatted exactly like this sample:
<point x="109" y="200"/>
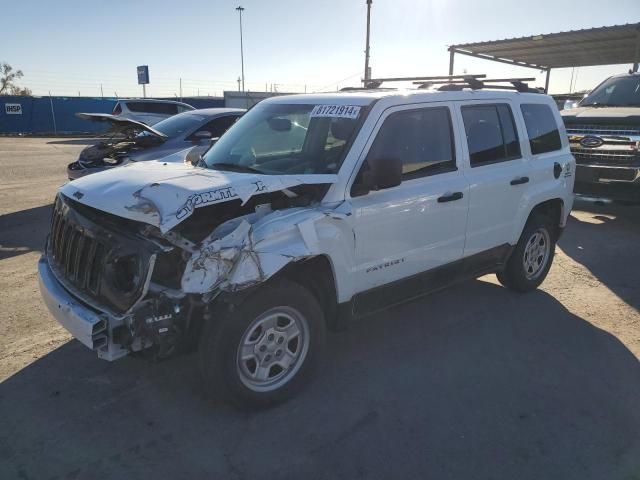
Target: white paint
<point x="369" y="240"/>
<point x="165" y="193"/>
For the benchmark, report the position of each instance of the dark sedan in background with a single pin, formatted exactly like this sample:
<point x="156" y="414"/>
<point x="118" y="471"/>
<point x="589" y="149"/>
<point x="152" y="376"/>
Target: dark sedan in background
<point x="132" y="141"/>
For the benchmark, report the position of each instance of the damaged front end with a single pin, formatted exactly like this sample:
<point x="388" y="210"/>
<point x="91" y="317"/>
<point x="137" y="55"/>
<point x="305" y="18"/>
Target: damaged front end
<point x="106" y="263"/>
<point x="148" y="281"/>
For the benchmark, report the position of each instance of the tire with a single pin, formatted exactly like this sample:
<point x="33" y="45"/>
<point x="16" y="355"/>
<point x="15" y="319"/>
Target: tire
<point x="525" y="270"/>
<point x="243" y="350"/>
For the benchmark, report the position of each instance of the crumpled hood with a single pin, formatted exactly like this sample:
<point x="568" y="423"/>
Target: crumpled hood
<point x="121" y="123"/>
<point x="164" y="193"/>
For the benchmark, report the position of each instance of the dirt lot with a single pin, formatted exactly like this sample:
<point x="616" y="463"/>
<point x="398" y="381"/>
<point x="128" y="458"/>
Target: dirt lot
<point x="474" y="382"/>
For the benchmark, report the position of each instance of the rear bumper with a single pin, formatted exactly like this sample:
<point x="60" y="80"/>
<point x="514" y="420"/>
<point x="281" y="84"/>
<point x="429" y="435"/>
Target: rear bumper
<point x="92" y="328"/>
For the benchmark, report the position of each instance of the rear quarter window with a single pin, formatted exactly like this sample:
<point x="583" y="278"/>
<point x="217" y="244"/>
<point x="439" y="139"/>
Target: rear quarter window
<point x="152" y="107"/>
<point x="542" y="128"/>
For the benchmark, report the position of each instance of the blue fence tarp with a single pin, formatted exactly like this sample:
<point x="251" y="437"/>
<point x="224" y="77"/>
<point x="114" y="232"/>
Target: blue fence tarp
<point x="38" y="114"/>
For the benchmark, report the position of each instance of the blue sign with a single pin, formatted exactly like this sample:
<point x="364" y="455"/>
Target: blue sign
<point x="143" y="74"/>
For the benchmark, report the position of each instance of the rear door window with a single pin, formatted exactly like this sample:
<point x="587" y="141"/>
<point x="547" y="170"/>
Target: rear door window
<point x="542" y="128"/>
<point x="491" y="134"/>
<point x="153" y="107"/>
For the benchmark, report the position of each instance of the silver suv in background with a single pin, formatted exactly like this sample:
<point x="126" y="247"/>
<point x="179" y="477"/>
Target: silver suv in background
<point x="149" y="111"/>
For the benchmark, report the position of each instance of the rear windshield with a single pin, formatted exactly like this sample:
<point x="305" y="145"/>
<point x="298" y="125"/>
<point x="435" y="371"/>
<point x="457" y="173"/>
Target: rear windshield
<point x="179" y="125"/>
<point x="283" y="139"/>
<point x="615" y="92"/>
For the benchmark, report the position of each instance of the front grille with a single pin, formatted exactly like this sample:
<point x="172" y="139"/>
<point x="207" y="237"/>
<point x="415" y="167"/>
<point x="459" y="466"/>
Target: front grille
<point x="620" y="174"/>
<point x="619" y="147"/>
<point x="77" y="256"/>
<point x="617" y="130"/>
<point x="603" y="156"/>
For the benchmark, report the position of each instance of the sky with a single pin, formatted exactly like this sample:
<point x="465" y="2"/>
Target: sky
<point x="72" y="47"/>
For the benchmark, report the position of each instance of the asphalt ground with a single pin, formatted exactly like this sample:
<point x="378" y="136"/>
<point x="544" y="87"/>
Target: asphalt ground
<point x="474" y="382"/>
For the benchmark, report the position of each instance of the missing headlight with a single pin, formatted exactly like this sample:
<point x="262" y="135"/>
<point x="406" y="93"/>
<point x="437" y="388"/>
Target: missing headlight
<point x="124" y="273"/>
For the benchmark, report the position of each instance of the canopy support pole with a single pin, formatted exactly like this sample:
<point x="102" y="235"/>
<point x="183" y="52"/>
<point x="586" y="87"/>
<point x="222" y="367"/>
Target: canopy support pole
<point x="452" y="53"/>
<point x="636" y="57"/>
<point x="546" y="82"/>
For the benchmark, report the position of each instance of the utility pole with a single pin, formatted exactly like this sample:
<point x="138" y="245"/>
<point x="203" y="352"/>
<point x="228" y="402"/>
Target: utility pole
<point x="367" y="73"/>
<point x="240" y="10"/>
<point x="239" y="84"/>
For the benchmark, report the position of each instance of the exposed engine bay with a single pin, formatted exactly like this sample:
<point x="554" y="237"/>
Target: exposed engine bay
<point x="116" y="144"/>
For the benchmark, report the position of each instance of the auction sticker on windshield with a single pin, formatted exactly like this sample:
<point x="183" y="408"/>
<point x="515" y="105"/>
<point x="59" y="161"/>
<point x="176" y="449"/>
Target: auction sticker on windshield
<point x="336" y="111"/>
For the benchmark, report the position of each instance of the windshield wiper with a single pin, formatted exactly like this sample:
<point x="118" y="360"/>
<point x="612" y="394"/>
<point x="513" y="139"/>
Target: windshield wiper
<point x="234" y="167"/>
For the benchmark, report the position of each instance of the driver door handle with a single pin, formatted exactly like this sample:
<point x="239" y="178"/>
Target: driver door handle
<point x="520" y="180"/>
<point x="450" y="197"/>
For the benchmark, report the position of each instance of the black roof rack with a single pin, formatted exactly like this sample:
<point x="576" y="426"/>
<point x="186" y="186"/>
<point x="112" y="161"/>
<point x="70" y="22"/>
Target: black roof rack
<point x="457" y="82"/>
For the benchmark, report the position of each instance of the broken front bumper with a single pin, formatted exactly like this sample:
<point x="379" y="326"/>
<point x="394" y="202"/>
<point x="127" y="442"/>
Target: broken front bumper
<point x="93" y="328"/>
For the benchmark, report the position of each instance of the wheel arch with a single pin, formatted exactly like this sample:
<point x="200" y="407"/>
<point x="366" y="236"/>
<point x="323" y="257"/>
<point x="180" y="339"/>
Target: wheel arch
<point x="552" y="208"/>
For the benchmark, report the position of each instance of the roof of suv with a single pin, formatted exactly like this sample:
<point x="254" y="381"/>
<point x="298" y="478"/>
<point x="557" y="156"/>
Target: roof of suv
<point x="404" y="96"/>
<point x="153" y="100"/>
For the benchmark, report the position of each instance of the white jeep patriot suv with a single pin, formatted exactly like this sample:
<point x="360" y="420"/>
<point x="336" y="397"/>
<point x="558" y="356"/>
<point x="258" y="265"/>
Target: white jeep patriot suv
<point x="309" y="211"/>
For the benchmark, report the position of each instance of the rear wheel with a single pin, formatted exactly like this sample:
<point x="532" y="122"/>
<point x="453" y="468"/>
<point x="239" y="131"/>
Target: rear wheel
<point x="531" y="260"/>
<point x="262" y="351"/>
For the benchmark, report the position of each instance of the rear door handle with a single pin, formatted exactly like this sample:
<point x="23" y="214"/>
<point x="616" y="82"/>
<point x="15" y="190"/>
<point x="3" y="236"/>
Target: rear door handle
<point x="450" y="197"/>
<point x="520" y="181"/>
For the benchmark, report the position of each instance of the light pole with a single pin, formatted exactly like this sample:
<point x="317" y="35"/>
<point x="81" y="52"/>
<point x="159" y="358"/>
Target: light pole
<point x="240" y="10"/>
<point x="367" y="75"/>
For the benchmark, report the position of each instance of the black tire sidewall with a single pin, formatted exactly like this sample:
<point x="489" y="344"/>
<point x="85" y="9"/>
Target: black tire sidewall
<point x="221" y="337"/>
<point x="514" y="276"/>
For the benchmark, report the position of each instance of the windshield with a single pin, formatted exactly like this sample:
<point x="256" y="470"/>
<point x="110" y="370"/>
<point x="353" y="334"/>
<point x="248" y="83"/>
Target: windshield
<point x="278" y="139"/>
<point x="179" y="124"/>
<point x="615" y="92"/>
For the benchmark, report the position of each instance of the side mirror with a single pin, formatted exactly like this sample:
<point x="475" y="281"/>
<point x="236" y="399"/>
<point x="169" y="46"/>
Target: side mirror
<point x="386" y="172"/>
<point x="201" y="135"/>
<point x="194" y="157"/>
<point x="377" y="175"/>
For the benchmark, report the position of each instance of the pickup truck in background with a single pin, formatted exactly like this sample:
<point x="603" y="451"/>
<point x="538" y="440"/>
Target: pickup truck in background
<point x="604" y="134"/>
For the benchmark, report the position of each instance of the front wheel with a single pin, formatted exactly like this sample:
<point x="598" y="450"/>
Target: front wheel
<point x="262" y="351"/>
<point x="531" y="260"/>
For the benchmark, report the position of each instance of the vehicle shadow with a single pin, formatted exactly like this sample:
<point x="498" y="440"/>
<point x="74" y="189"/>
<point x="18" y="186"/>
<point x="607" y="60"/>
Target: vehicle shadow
<point x="498" y="386"/>
<point x="24" y="231"/>
<point x="601" y="240"/>
<point x="75" y="141"/>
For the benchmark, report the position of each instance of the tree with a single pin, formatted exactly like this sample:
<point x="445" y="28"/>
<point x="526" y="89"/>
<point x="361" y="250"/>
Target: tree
<point x="7" y="81"/>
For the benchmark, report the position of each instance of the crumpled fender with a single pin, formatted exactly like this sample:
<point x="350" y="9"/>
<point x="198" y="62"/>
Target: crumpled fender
<point x="250" y="253"/>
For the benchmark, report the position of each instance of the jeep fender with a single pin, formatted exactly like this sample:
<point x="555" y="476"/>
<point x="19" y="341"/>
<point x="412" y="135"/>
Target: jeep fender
<point x="247" y="251"/>
<point x="535" y="197"/>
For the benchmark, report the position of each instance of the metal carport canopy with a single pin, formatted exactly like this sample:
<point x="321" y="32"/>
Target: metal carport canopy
<point x="576" y="48"/>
